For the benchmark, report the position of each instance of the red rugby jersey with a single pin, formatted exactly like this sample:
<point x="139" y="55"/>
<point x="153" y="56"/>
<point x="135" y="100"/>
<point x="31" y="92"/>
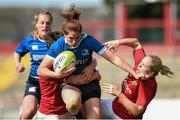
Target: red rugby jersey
<point x="51" y="102"/>
<point x="138" y="91"/>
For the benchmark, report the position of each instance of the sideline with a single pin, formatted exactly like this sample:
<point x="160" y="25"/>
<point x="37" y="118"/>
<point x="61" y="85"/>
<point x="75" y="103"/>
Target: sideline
<point x="163" y="109"/>
<point x="158" y="109"/>
<point x="8" y="73"/>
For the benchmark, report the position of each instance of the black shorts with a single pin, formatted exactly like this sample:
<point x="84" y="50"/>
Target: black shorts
<point x="90" y="90"/>
<point x="33" y="88"/>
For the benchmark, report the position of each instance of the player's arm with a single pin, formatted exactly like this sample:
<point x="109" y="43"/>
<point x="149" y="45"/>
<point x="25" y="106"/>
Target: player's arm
<point x="17" y="60"/>
<point x="131" y="106"/>
<point x="119" y="62"/>
<point x="88" y="75"/>
<point x="131" y="42"/>
<point x="128" y="104"/>
<point x="45" y="69"/>
<point x="79" y="79"/>
<point x="89" y="70"/>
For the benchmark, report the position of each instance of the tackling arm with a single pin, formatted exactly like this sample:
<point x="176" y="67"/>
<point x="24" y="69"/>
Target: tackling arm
<point x="88" y="75"/>
<point x="79" y="79"/>
<point x="45" y="70"/>
<point x="131" y="106"/>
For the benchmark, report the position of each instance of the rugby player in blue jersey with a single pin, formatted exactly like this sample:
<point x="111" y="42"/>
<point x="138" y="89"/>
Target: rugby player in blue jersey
<point x="83" y="46"/>
<point x="36" y="45"/>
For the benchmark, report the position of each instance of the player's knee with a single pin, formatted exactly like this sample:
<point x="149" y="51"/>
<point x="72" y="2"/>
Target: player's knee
<point x="28" y="113"/>
<point x="74" y="109"/>
<point x="74" y="104"/>
<point x="74" y="100"/>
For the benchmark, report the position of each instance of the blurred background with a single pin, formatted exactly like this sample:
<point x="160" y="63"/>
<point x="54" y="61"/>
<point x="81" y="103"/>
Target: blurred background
<point x="156" y="23"/>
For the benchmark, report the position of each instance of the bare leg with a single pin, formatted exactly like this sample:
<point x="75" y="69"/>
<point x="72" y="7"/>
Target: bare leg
<point x="92" y="108"/>
<point x="66" y="115"/>
<point x="72" y="98"/>
<point x="41" y="116"/>
<point x="29" y="107"/>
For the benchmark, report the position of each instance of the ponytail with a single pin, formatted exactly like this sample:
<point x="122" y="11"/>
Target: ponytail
<point x="157" y="67"/>
<point x="71" y="13"/>
<point x="166" y="71"/>
<point x="71" y="20"/>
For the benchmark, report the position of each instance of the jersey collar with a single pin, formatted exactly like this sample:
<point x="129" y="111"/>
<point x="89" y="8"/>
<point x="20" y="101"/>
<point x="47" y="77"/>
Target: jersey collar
<point x="83" y="36"/>
<point x="40" y="39"/>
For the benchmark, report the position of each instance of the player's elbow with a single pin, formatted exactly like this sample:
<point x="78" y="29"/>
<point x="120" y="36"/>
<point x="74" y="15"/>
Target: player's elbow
<point x="139" y="110"/>
<point x="39" y="71"/>
<point x="136" y="44"/>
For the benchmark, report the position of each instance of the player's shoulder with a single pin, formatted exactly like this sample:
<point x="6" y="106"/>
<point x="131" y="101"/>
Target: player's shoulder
<point x="86" y="36"/>
<point x="60" y="39"/>
<point x="29" y="37"/>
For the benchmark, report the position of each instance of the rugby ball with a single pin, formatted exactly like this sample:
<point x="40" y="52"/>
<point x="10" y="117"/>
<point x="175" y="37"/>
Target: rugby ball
<point x="64" y="61"/>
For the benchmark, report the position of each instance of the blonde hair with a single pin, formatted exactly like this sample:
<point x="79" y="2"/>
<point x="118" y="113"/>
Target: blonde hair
<point x="36" y="18"/>
<point x="72" y="20"/>
<point x="157" y="67"/>
<point x="52" y="37"/>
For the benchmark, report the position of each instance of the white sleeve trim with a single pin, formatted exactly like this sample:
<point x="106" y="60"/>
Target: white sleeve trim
<point x="48" y="56"/>
<point x="102" y="50"/>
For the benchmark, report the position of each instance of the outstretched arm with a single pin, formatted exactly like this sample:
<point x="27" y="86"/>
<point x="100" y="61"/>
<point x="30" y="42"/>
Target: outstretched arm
<point x="131" y="42"/>
<point x="113" y="46"/>
<point x="119" y="62"/>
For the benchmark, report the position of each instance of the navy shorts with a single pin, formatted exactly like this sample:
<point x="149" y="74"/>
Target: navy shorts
<point x="33" y="88"/>
<point x="90" y="90"/>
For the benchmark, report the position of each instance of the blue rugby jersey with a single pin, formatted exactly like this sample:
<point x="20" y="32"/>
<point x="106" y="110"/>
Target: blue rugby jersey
<point x="37" y="49"/>
<point x="83" y="51"/>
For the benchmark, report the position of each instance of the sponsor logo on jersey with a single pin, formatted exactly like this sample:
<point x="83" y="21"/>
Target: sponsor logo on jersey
<point x="134" y="83"/>
<point x="38" y="57"/>
<point x="126" y="87"/>
<point x="32" y="89"/>
<point x="83" y="61"/>
<point x="85" y="52"/>
<point x="35" y="47"/>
